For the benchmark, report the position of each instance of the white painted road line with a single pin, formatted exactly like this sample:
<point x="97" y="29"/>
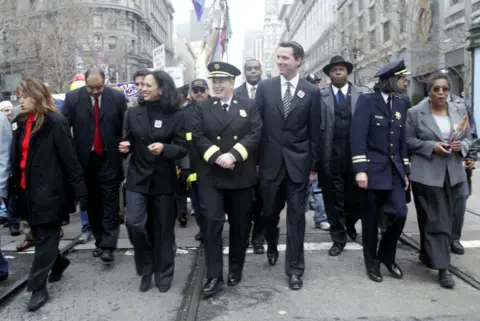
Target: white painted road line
<point x="324" y="246"/>
<point x="470" y="244"/>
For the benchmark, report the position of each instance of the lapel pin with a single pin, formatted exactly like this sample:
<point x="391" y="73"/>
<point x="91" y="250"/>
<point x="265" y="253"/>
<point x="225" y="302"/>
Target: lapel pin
<point x="398" y="116"/>
<point x="14" y="126"/>
<point x="300" y="94"/>
<point x="243" y="113"/>
<point x="158" y="124"/>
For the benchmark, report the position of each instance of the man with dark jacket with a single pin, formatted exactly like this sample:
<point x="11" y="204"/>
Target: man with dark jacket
<point x="253" y="73"/>
<point x="336" y="175"/>
<point x="95" y="113"/>
<point x="198" y="91"/>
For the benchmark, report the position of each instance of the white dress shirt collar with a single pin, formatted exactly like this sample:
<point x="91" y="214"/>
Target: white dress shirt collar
<point x="344" y="90"/>
<point x="99" y="101"/>
<point x="385" y="96"/>
<point x="293" y="81"/>
<point x="228" y="102"/>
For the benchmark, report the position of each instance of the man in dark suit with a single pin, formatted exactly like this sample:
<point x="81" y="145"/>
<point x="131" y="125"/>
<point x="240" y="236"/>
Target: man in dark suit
<point x="253" y="75"/>
<point x="226" y="132"/>
<point x="290" y="110"/>
<point x="95" y="113"/>
<point x="335" y="170"/>
<point x="381" y="164"/>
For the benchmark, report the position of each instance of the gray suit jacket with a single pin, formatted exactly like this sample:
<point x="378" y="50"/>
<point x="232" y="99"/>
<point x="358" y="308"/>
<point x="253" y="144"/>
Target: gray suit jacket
<point x="5" y="150"/>
<point x="328" y="123"/>
<point x="427" y="167"/>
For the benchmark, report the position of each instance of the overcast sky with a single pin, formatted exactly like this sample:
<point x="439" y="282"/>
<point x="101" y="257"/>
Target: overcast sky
<point x="245" y="14"/>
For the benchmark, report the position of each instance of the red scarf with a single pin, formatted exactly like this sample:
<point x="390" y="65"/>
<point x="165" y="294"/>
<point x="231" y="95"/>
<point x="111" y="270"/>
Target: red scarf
<point x="25" y="147"/>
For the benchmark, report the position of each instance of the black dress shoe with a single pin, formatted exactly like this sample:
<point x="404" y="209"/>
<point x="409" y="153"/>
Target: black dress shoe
<point x="145" y="283"/>
<point x="295" y="282"/>
<point x="38" y="299"/>
<point x="272" y="256"/>
<point x="3" y="277"/>
<point x="394" y="270"/>
<point x="183" y="221"/>
<point x="107" y="256"/>
<point x="234" y="279"/>
<point x="212" y="286"/>
<point x="97" y="252"/>
<point x="199" y="236"/>
<point x="457" y="248"/>
<point x="163" y="288"/>
<point x="57" y="273"/>
<point x="336" y="249"/>
<point x="14" y="231"/>
<point x="352" y="232"/>
<point x="445" y="279"/>
<point x="258" y="249"/>
<point x="375" y="276"/>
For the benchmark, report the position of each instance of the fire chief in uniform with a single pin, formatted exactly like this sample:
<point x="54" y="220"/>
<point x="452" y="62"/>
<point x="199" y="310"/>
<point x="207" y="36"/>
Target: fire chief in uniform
<point x="226" y="132"/>
<point x="380" y="161"/>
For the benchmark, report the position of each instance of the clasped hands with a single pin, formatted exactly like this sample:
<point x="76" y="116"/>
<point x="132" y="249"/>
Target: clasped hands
<point x="155" y="148"/>
<point x="226" y="161"/>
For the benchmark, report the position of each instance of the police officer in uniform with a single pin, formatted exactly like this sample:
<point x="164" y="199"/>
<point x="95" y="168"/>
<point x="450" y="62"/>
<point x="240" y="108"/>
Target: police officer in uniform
<point x="314" y="80"/>
<point x="380" y="161"/>
<point x="226" y="133"/>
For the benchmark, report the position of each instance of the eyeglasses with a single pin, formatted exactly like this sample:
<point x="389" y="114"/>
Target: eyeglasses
<point x="444" y="89"/>
<point x="198" y="90"/>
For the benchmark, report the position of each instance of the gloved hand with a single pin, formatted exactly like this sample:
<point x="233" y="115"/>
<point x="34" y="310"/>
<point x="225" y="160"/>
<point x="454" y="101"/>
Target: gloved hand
<point x="82" y="203"/>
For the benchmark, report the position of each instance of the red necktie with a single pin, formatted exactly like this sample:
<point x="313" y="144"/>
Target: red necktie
<point x="97" y="137"/>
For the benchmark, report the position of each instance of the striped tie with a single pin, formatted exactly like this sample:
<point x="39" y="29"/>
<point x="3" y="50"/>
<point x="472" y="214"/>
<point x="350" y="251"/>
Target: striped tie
<point x="287" y="100"/>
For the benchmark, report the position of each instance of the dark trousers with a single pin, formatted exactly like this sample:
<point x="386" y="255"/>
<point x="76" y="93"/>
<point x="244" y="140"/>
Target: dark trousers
<point x="340" y="195"/>
<point x="274" y="194"/>
<point x="374" y="200"/>
<point x="47" y="256"/>
<point x="435" y="212"/>
<point x="150" y="222"/>
<point x="237" y="203"/>
<point x="181" y="200"/>
<point x="103" y="185"/>
<point x="460" y="206"/>
<point x="197" y="207"/>
<point x="258" y="230"/>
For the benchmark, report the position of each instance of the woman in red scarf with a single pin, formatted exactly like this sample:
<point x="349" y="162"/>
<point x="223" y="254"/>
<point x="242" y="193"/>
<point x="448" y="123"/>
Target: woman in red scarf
<point x="44" y="168"/>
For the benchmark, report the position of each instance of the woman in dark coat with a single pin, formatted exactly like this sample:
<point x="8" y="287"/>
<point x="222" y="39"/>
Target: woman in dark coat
<point x="44" y="168"/>
<point x="155" y="137"/>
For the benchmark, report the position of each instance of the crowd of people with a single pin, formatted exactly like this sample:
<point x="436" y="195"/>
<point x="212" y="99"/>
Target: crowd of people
<point x="240" y="155"/>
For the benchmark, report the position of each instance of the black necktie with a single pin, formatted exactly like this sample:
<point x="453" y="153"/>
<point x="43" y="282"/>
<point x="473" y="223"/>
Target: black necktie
<point x="225" y="107"/>
<point x="340" y="97"/>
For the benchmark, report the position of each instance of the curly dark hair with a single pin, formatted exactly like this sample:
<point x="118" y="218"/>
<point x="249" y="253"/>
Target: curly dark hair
<point x="169" y="97"/>
<point x="436" y="76"/>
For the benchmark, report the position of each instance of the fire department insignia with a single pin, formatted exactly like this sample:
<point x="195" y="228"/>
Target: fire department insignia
<point x="398" y="116"/>
<point x="243" y="113"/>
<point x="216" y="66"/>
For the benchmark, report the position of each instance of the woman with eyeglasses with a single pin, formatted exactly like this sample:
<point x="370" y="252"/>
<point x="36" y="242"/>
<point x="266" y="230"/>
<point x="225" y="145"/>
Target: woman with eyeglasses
<point x="437" y="172"/>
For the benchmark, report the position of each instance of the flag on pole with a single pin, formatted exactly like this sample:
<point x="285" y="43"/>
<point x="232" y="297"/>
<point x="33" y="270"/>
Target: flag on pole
<point x="198" y="5"/>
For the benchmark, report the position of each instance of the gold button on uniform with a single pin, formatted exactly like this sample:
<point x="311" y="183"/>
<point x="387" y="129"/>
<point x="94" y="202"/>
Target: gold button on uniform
<point x="235" y="137"/>
<point x="218" y="137"/>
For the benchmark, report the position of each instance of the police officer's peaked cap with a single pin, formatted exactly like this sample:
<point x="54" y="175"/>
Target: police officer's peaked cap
<point x="199" y="83"/>
<point x="395" y="68"/>
<point x="223" y="70"/>
<point x="312" y="78"/>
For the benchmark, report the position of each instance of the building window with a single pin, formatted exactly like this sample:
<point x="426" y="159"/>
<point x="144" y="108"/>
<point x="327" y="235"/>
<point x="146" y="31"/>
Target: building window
<point x="386" y="31"/>
<point x="386" y="5"/>
<point x="112" y="43"/>
<point x="454" y="2"/>
<point x="372" y="15"/>
<point x="372" y="39"/>
<point x="350" y="10"/>
<point x="360" y="5"/>
<point x="97" y="21"/>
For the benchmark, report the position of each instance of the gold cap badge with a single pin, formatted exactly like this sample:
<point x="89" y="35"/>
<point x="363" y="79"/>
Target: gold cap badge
<point x="216" y="66"/>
